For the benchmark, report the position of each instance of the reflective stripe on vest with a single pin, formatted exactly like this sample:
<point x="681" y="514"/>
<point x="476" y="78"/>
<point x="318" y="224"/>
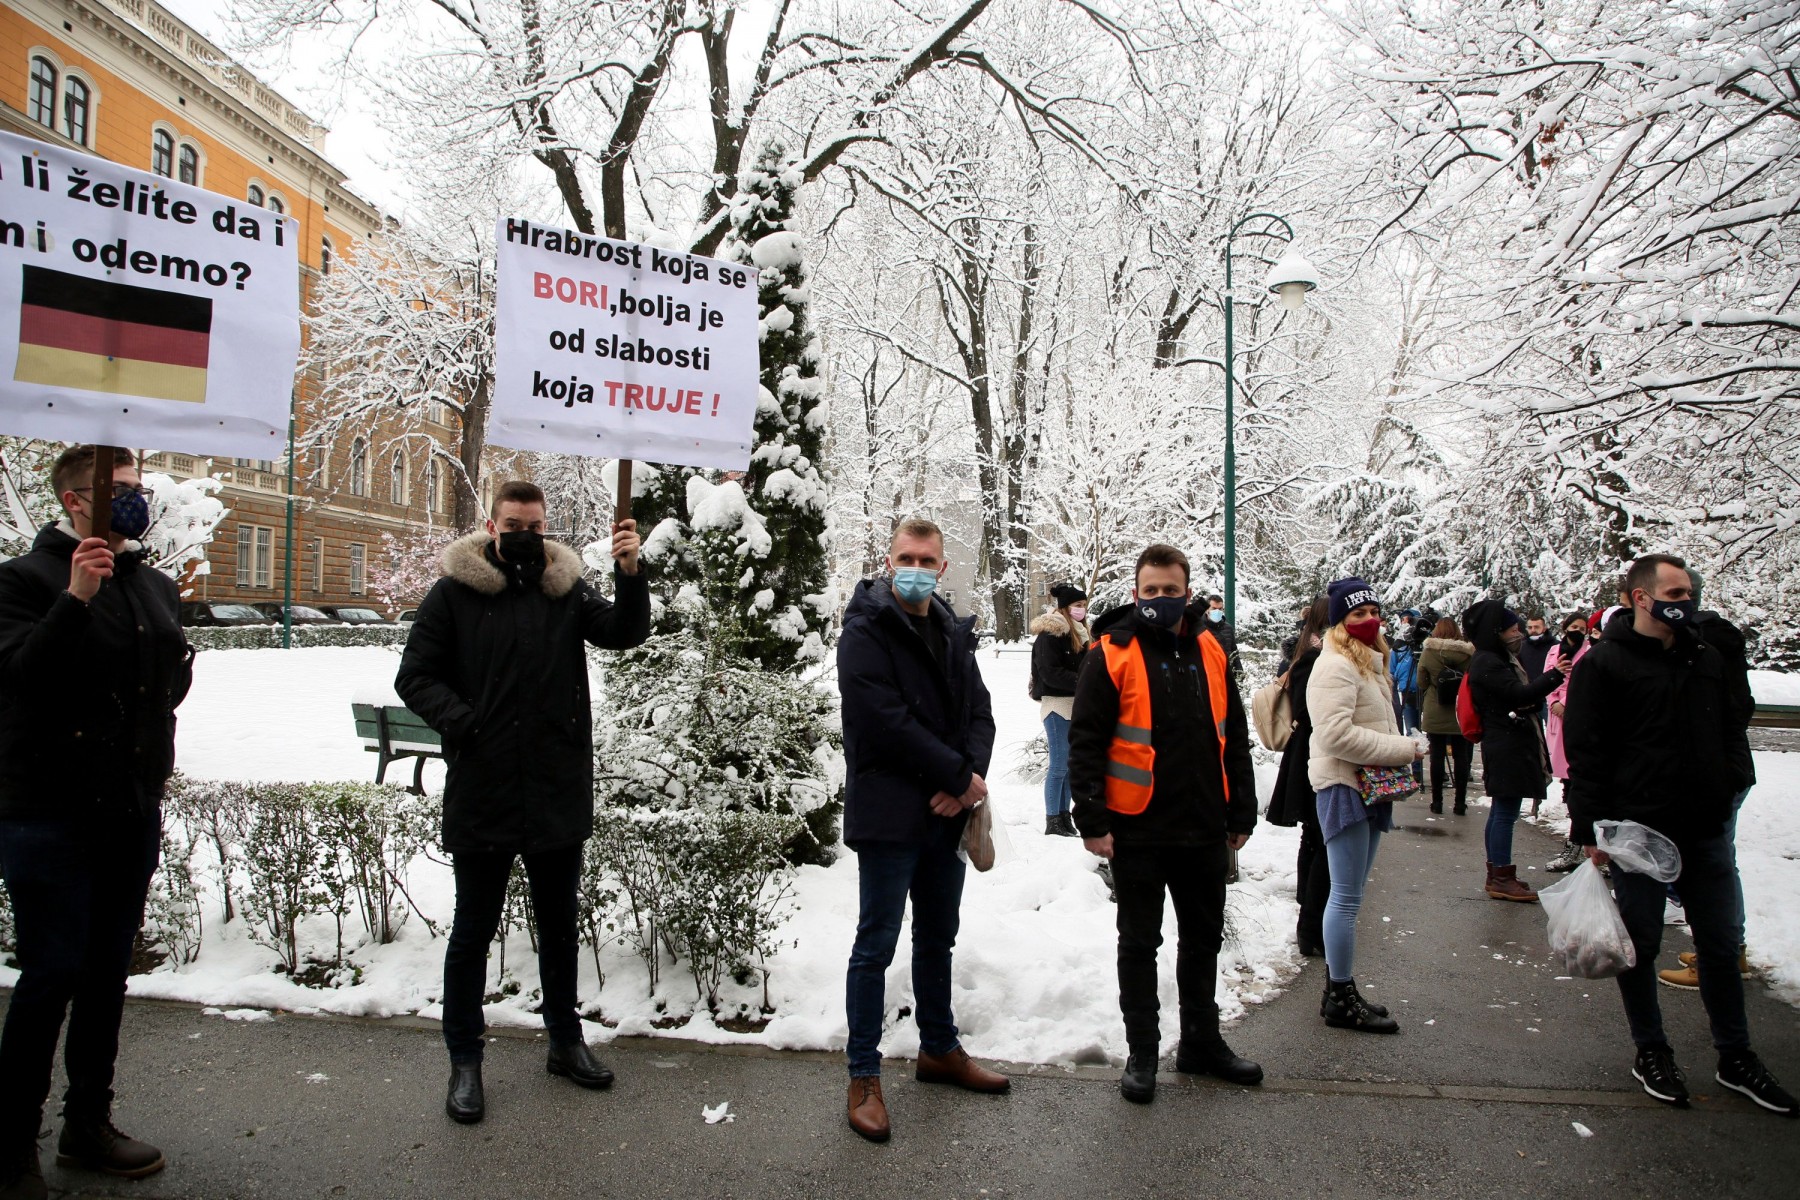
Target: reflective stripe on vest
<point x="1131" y="759"/>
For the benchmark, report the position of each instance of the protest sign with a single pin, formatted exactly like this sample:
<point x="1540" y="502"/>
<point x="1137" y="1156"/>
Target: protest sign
<point x="138" y="311"/>
<point x="613" y="348"/>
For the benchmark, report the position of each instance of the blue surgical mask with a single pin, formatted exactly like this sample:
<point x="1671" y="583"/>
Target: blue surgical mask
<point x="913" y="584"/>
<point x="1165" y="612"/>
<point x="131" y="515"/>
<point x="1215" y="615"/>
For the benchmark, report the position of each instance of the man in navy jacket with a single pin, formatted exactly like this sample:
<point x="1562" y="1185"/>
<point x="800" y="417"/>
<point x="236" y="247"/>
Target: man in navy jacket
<point x="918" y="733"/>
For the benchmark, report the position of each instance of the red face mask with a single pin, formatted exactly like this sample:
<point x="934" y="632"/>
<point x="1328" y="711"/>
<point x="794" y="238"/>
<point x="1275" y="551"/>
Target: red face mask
<point x="1364" y="631"/>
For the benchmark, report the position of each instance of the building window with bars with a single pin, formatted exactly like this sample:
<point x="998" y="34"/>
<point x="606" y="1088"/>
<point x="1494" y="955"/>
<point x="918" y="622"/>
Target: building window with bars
<point x="359" y="572"/>
<point x="255" y="555"/>
<point x="43" y="92"/>
<point x="162" y="154"/>
<point x="77" y="102"/>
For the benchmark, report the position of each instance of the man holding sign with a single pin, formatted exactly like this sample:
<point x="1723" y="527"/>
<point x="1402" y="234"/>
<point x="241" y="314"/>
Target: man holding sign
<point x="92" y="666"/>
<point x="496" y="663"/>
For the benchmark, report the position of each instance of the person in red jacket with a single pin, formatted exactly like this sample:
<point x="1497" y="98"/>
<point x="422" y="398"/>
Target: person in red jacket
<point x="1159" y="766"/>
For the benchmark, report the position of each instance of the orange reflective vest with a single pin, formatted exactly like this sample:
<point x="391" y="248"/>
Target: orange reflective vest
<point x="1131" y="759"/>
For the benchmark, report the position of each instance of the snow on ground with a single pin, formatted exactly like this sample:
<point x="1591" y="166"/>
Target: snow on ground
<point x="1035" y="976"/>
<point x="1775" y="687"/>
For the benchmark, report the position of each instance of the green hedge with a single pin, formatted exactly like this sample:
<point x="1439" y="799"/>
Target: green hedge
<point x="268" y="637"/>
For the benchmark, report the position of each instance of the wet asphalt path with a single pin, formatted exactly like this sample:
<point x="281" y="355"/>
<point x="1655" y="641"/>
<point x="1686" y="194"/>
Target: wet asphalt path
<point x="1474" y="1098"/>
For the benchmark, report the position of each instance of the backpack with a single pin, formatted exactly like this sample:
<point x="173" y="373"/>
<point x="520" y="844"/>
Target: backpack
<point x="1467" y="718"/>
<point x="1448" y="683"/>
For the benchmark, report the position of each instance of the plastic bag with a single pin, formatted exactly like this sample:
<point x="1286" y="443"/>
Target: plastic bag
<point x="1639" y="849"/>
<point x="984" y="840"/>
<point x="1588" y="938"/>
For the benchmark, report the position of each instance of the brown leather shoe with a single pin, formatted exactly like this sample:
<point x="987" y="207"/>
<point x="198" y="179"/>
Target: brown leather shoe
<point x="868" y="1111"/>
<point x="958" y="1068"/>
<point x="1503" y="884"/>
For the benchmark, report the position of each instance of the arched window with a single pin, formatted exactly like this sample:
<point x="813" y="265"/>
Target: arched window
<point x="162" y="153"/>
<point x="255" y="195"/>
<point x="434" y="486"/>
<point x="277" y="204"/>
<point x="43" y="92"/>
<point x="397" y="478"/>
<point x="325" y="256"/>
<point x="359" y="467"/>
<point x="188" y="164"/>
<point x="77" y="99"/>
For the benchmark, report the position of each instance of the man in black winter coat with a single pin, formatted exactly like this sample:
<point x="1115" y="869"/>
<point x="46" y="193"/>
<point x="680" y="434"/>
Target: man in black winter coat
<point x="1160" y="769"/>
<point x="1225" y="632"/>
<point x="1515" y="762"/>
<point x="93" y="663"/>
<point x="918" y="734"/>
<point x="496" y="663"/>
<point x="1652" y="737"/>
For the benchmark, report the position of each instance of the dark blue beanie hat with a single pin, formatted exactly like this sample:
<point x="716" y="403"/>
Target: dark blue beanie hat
<point x="1347" y="594"/>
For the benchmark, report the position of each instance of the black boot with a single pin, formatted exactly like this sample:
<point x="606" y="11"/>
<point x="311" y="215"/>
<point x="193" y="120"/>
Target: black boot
<point x="575" y="1061"/>
<point x="1437" y="800"/>
<point x="1067" y="828"/>
<point x="1373" y="1007"/>
<point x="1138" y="1084"/>
<point x="97" y="1145"/>
<point x="1207" y="1054"/>
<point x="1462" y="804"/>
<point x="21" y="1175"/>
<point x="465" y="1104"/>
<point x="1344" y="1008"/>
<point x="1310" y="945"/>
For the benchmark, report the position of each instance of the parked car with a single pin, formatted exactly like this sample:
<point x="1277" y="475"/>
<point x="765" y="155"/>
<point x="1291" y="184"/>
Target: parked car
<point x="303" y="614"/>
<point x="407" y="616"/>
<point x="209" y="613"/>
<point x="353" y="614"/>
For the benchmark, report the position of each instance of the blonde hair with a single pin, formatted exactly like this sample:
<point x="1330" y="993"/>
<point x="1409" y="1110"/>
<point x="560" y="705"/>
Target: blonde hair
<point x="1371" y="661"/>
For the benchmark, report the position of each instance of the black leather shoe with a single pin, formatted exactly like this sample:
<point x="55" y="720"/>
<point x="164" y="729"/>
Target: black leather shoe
<point x="1211" y="1056"/>
<point x="99" y="1146"/>
<point x="575" y="1061"/>
<point x="21" y="1175"/>
<point x="465" y="1104"/>
<point x="1138" y="1084"/>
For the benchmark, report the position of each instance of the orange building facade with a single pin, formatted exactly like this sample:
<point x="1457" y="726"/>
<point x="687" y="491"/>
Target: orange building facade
<point x="128" y="81"/>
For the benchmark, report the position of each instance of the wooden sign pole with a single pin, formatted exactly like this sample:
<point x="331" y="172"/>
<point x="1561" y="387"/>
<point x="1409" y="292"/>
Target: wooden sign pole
<point x="101" y="498"/>
<point x="622" y="510"/>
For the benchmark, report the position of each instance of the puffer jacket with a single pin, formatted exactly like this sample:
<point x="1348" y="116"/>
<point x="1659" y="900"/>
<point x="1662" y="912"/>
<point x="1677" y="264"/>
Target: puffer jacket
<point x="1055" y="664"/>
<point x="1352" y="722"/>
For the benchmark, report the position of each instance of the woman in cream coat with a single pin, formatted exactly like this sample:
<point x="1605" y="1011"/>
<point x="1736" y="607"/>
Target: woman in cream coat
<point x="1349" y="699"/>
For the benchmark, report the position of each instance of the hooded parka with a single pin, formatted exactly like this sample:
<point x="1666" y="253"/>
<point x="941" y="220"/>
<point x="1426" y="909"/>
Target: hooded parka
<point x="1515" y="762"/>
<point x="495" y="663"/>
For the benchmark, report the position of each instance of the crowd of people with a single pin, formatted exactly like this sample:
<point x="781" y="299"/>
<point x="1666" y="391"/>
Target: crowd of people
<point x="1641" y="711"/>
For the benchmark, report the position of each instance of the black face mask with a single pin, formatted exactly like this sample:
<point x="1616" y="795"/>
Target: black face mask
<point x="522" y="546"/>
<point x="1572" y="640"/>
<point x="1164" y="612"/>
<point x="1674" y="613"/>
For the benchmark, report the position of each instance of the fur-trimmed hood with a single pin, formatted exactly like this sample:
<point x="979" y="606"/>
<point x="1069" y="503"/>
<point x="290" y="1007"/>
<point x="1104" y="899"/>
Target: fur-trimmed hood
<point x="1449" y="646"/>
<point x="1053" y="621"/>
<point x="466" y="562"/>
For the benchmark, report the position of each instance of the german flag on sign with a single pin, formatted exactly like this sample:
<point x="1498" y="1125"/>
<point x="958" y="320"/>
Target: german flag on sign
<point x="101" y="336"/>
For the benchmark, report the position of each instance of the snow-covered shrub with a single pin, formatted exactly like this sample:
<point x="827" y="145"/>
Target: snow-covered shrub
<point x="216" y="812"/>
<point x="289" y="868"/>
<point x="268" y="637"/>
<point x="1034" y="761"/>
<point x="688" y="723"/>
<point x="597" y="901"/>
<point x="172" y="910"/>
<point x="374" y="830"/>
<point x="9" y="936"/>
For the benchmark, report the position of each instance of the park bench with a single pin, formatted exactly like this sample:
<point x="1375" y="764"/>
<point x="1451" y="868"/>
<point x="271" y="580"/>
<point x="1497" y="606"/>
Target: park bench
<point x="1776" y="716"/>
<point x="393" y="731"/>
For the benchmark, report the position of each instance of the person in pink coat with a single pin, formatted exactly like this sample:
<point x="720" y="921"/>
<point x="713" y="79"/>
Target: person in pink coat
<point x="1578" y="633"/>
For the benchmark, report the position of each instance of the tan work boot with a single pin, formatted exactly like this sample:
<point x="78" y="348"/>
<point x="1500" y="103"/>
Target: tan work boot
<point x="1688" y="975"/>
<point x="1503" y="884"/>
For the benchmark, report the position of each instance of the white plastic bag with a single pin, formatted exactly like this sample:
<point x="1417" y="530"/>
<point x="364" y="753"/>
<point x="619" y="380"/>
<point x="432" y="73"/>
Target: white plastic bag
<point x="985" y="844"/>
<point x="1639" y="849"/>
<point x="1588" y="938"/>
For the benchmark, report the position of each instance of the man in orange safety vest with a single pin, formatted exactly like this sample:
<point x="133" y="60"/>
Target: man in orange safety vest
<point x="1160" y="772"/>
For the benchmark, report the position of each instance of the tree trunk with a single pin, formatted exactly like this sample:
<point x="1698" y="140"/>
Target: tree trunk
<point x="469" y="447"/>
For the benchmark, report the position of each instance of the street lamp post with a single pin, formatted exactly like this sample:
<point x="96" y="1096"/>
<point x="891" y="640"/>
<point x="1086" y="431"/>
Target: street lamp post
<point x="1290" y="278"/>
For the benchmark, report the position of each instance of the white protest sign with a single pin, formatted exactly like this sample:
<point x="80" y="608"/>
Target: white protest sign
<point x="614" y="348"/>
<point x="138" y="311"/>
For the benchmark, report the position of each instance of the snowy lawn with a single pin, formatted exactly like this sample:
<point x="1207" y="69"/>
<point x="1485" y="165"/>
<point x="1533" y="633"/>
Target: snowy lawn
<point x="1035" y="970"/>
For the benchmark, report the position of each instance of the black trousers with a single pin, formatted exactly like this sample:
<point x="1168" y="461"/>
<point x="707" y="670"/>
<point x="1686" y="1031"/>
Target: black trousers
<point x="1313" y="884"/>
<point x="1462" y="753"/>
<point x="1194" y="878"/>
<point x="480" y="895"/>
<point x="77" y="893"/>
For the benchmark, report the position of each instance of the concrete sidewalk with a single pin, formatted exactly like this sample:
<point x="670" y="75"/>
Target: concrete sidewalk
<point x="1475" y="1097"/>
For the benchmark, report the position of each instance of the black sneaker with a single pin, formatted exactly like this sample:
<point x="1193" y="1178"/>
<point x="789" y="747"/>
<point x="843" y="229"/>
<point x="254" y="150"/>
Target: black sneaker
<point x="1662" y="1079"/>
<point x="1742" y="1071"/>
<point x="1138" y="1083"/>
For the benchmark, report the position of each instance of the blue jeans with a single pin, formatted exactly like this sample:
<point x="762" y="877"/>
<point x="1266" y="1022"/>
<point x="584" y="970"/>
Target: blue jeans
<point x="77" y="894"/>
<point x="887" y="872"/>
<point x="1057" y="797"/>
<point x="1351" y="853"/>
<point x="1709" y="893"/>
<point x="481" y="878"/>
<point x="1503" y="814"/>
